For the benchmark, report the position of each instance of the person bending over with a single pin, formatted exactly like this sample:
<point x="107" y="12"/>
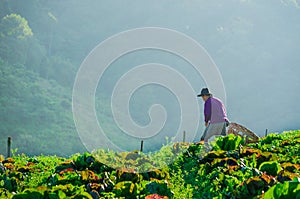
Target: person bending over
<point x="215" y="116"/>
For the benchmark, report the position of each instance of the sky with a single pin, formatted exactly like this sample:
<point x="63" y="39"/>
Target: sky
<point x="254" y="44"/>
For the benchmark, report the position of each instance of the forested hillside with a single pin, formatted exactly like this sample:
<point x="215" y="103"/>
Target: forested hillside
<point x="43" y="43"/>
<point x="36" y="83"/>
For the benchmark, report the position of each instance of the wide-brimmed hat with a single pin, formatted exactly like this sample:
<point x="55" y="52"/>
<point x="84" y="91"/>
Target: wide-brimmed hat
<point x="204" y="92"/>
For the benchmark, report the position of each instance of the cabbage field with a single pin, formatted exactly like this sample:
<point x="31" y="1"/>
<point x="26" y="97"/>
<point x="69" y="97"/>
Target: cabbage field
<point x="231" y="169"/>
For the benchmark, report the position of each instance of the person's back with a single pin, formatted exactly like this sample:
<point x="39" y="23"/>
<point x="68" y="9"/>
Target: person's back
<point x="218" y="111"/>
<point x="214" y="115"/>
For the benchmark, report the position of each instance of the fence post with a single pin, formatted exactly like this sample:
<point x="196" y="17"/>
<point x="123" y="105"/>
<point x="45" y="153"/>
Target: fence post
<point x="183" y="138"/>
<point x="142" y="145"/>
<point x="266" y="133"/>
<point x="8" y="146"/>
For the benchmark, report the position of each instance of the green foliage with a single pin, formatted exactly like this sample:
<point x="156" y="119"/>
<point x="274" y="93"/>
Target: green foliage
<point x="159" y="187"/>
<point x="15" y="26"/>
<point x="193" y="174"/>
<point x="285" y="190"/>
<point x="15" y="34"/>
<point x="271" y="168"/>
<point x="235" y="173"/>
<point x="28" y="194"/>
<point x="230" y="142"/>
<point x="179" y="187"/>
<point x="44" y="109"/>
<point x="59" y="69"/>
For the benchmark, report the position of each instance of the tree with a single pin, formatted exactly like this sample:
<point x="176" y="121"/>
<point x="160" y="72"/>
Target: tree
<point x="14" y="36"/>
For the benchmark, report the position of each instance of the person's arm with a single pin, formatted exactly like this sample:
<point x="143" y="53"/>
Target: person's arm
<point x="207" y="112"/>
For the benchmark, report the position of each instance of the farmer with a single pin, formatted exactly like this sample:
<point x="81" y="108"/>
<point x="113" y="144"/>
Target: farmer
<point x="214" y="115"/>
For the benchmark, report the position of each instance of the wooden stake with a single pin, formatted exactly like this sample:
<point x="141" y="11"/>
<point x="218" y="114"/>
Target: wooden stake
<point x="266" y="133"/>
<point x="183" y="138"/>
<point x="8" y="146"/>
<point x="142" y="145"/>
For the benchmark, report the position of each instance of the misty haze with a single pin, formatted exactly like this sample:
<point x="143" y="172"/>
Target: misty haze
<point x="254" y="44"/>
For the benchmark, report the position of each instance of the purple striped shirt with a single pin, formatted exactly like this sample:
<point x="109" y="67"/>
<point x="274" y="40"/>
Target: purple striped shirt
<point x="214" y="111"/>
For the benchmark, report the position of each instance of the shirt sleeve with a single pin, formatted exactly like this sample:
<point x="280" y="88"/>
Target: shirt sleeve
<point x="207" y="110"/>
